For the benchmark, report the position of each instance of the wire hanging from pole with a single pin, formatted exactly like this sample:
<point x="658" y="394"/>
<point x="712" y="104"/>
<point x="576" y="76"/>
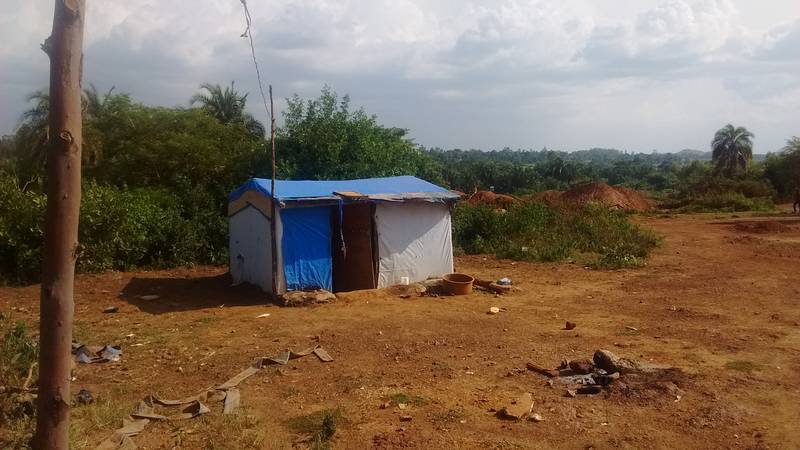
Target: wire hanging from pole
<point x="249" y="36"/>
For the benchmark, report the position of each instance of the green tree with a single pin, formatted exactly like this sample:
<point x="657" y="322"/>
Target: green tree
<point x="227" y="106"/>
<point x="324" y="139"/>
<point x="732" y="150"/>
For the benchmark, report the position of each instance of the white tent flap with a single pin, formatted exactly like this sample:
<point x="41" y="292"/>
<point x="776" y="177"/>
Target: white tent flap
<point x="414" y="241"/>
<point x="250" y="248"/>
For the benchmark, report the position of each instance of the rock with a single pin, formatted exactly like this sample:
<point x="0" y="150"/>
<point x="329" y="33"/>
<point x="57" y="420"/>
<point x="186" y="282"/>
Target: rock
<point x="405" y="418"/>
<point x="305" y="298"/>
<point x="110" y="309"/>
<point x="519" y="409"/>
<point x="605" y="380"/>
<point x="570" y="325"/>
<point x="493" y="310"/>
<point x="385" y="405"/>
<point x="408" y="290"/>
<point x="589" y="390"/>
<point x="583" y="367"/>
<point x="84" y="397"/>
<point x="536" y="418"/>
<point x="611" y="363"/>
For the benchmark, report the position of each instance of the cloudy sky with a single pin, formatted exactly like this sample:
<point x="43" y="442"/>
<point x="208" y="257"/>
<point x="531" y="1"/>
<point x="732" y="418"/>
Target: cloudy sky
<point x="637" y="75"/>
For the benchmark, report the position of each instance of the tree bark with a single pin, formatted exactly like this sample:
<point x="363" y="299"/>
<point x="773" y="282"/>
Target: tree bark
<point x="64" y="47"/>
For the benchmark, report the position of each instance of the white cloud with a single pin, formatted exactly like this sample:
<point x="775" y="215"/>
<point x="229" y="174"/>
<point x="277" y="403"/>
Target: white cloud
<point x="628" y="72"/>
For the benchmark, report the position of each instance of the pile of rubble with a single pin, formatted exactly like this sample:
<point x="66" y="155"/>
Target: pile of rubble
<point x="606" y="370"/>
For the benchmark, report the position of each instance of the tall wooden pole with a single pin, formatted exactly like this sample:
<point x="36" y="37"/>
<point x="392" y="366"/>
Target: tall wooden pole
<point x="64" y="47"/>
<point x="273" y="209"/>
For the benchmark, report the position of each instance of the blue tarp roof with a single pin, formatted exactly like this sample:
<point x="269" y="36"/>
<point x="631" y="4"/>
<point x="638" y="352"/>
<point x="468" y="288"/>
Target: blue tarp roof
<point x="389" y="188"/>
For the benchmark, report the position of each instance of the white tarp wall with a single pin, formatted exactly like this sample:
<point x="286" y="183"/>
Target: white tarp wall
<point x="414" y="241"/>
<point x="250" y="248"/>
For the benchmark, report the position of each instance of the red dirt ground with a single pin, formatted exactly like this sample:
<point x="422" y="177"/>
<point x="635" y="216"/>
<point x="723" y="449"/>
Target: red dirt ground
<point x="719" y="304"/>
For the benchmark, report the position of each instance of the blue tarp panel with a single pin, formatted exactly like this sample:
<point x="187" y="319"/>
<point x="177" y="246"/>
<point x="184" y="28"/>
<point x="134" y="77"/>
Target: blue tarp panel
<point x="306" y="247"/>
<point x="391" y="188"/>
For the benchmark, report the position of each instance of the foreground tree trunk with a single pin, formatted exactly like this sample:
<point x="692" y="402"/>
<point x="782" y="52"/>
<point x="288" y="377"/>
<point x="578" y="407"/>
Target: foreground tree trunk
<point x="64" y="47"/>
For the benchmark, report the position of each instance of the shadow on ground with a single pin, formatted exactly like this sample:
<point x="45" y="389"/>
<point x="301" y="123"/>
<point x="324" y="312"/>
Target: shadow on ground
<point x="190" y="293"/>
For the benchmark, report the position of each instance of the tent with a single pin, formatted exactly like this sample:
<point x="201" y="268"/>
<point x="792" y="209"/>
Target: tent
<point x="339" y="235"/>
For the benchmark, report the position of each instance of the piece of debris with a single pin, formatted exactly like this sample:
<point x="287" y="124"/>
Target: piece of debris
<point x="386" y="405"/>
<point x="570" y="325"/>
<point x="405" y="418"/>
<point x="261" y="316"/>
<point x="402" y="405"/>
<point x="631" y="328"/>
<point x="232" y="399"/>
<point x="519" y="408"/>
<point x="95" y="354"/>
<point x="149" y="297"/>
<point x="504" y="282"/>
<point x="110" y="309"/>
<point x="536" y="418"/>
<point x="550" y="373"/>
<point x="494" y="287"/>
<point x="493" y="310"/>
<point x="84" y="397"/>
<point x="305" y="298"/>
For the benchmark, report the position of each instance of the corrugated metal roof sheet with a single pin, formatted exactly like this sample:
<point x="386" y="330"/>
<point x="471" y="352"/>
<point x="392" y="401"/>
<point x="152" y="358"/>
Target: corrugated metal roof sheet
<point x="387" y="189"/>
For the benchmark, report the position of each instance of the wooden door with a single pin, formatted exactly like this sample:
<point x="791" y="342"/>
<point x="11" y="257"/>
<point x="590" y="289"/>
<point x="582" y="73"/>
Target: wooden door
<point x="353" y="263"/>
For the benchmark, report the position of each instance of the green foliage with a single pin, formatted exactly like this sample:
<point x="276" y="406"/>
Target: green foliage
<point x="324" y="139"/>
<point x="721" y="202"/>
<point x="783" y="169"/>
<point x="228" y="106"/>
<point x="21" y="231"/>
<point x="597" y="235"/>
<point x="119" y="229"/>
<point x="18" y="352"/>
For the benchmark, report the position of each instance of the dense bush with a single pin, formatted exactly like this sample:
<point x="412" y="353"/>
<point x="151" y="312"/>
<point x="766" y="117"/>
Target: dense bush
<point x="119" y="229"/>
<point x="725" y="201"/>
<point x="594" y="234"/>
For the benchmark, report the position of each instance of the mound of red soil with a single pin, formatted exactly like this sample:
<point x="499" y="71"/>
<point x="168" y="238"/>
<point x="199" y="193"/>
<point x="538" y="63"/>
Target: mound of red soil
<point x="492" y="199"/>
<point x="616" y="197"/>
<point x="550" y="197"/>
<point x="762" y="227"/>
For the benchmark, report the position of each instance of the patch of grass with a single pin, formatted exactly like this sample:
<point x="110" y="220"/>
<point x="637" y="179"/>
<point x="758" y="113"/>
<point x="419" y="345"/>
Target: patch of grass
<point x="207" y="319"/>
<point x="721" y="202"/>
<point x="320" y="425"/>
<point x="102" y="415"/>
<point x="742" y="366"/>
<point x="19" y="352"/>
<point x="597" y="234"/>
<point x="402" y="397"/>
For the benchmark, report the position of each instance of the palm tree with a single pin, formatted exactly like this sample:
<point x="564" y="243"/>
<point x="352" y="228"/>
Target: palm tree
<point x="94" y="103"/>
<point x="33" y="130"/>
<point x="227" y="106"/>
<point x="732" y="150"/>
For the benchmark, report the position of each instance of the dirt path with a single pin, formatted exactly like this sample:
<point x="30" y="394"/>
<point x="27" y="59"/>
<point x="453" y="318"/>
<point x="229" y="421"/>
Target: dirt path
<point x="719" y="303"/>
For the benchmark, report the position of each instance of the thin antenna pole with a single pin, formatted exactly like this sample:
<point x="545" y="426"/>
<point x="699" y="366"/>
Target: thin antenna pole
<point x="272" y="137"/>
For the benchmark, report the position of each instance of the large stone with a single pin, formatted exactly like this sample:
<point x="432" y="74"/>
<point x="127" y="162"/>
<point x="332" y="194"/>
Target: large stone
<point x="305" y="298"/>
<point x="611" y="363"/>
<point x="518" y="409"/>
